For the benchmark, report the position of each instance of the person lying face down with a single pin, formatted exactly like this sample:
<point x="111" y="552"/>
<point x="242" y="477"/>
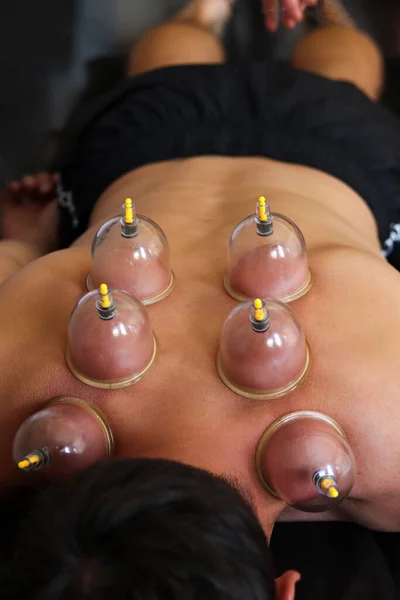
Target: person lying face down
<point x="195" y="146"/>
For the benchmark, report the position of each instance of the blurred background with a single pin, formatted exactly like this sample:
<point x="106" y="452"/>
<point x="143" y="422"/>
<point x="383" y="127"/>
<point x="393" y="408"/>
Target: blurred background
<point x="57" y="55"/>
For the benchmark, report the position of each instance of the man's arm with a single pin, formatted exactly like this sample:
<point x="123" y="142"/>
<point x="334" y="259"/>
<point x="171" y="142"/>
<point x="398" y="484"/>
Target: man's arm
<point x="29" y="222"/>
<point x="15" y="254"/>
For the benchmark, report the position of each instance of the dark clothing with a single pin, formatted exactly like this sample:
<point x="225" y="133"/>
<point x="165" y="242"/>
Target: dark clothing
<point x="262" y="109"/>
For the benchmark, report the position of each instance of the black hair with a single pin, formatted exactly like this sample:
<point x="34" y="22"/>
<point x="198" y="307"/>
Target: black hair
<point x="136" y="529"/>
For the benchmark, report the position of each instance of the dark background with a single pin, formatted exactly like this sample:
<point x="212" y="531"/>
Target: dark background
<point x="54" y="54"/>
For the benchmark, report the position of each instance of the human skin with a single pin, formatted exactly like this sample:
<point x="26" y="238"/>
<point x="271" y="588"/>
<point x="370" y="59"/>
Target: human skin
<point x="181" y="410"/>
<point x="291" y="10"/>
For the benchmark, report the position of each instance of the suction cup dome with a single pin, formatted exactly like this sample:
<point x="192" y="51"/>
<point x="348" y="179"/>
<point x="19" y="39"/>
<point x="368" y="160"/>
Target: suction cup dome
<point x="67" y="436"/>
<point x="132" y="253"/>
<point x="263" y="352"/>
<point x="267" y="258"/>
<point x="110" y="340"/>
<point x="305" y="459"/>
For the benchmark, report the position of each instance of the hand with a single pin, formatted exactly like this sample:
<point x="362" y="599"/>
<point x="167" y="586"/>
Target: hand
<point x="28" y="211"/>
<point x="292" y="12"/>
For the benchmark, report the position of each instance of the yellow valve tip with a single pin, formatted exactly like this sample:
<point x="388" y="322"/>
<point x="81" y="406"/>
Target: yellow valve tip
<point x="31" y="459"/>
<point x="329" y="486"/>
<point x="259" y="311"/>
<point x="262" y="209"/>
<point x="129" y="217"/>
<point x="105" y="296"/>
<point x="23" y="464"/>
<point x="327" y="483"/>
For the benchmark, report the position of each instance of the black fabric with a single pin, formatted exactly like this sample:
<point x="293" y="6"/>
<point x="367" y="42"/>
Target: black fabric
<point x="262" y="109"/>
<point x="339" y="561"/>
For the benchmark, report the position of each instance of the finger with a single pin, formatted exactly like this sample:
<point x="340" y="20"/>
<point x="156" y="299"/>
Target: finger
<point x="270" y="8"/>
<point x="290" y="23"/>
<point x="14" y="186"/>
<point x="15" y="192"/>
<point x="29" y="182"/>
<point x="45" y="183"/>
<point x="293" y="10"/>
<point x="306" y="3"/>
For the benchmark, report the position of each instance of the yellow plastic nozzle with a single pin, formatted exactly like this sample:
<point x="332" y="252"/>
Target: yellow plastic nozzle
<point x="129" y="216"/>
<point x="333" y="492"/>
<point x="32" y="459"/>
<point x="105" y="296"/>
<point x="327" y="483"/>
<point x="329" y="486"/>
<point x="259" y="311"/>
<point x="262" y="209"/>
<point x="23" y="464"/>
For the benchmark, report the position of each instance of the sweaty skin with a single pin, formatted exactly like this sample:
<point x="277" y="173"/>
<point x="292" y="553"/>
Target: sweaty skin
<point x="181" y="410"/>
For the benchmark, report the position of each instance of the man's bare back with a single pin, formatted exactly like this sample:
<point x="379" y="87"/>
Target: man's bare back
<point x="322" y="113"/>
<point x="181" y="410"/>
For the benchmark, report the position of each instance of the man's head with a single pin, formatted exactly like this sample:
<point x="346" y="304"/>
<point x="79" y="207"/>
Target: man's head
<point x="138" y="529"/>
